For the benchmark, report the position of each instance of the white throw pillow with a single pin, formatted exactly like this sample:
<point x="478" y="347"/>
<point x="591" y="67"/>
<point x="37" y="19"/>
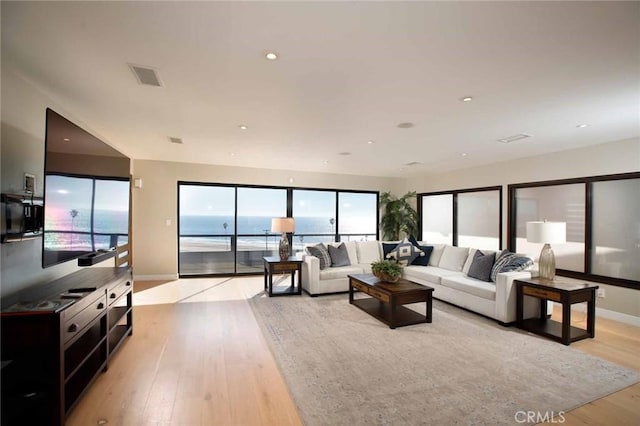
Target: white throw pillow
<point x="436" y="254"/>
<point x="368" y="251"/>
<point x="453" y="258"/>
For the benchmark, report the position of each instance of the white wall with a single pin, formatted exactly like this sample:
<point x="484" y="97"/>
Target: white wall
<point x="22" y="148"/>
<point x="608" y="158"/>
<point x="155" y="244"/>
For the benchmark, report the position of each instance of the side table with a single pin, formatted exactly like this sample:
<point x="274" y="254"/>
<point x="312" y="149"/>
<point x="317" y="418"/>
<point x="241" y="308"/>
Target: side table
<point x="273" y="264"/>
<point x="564" y="292"/>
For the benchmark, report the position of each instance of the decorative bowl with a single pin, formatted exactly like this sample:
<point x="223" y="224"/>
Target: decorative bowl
<point x="386" y="277"/>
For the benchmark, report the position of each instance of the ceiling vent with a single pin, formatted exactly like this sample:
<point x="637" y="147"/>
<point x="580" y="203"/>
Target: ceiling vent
<point x="514" y="138"/>
<point x="145" y="75"/>
<point x="412" y="163"/>
<point x="176" y="140"/>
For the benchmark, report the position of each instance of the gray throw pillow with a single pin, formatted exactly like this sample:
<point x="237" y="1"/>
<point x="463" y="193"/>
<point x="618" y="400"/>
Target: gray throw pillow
<point x="405" y="253"/>
<point x="481" y="266"/>
<point x="339" y="255"/>
<point x="321" y="252"/>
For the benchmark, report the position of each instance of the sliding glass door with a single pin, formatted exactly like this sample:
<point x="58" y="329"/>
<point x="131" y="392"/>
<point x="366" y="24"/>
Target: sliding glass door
<point x="256" y="208"/>
<point x="206" y="229"/>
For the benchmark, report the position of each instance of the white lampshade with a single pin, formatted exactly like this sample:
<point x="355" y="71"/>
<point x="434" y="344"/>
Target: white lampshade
<point x="547" y="232"/>
<point x="283" y="224"/>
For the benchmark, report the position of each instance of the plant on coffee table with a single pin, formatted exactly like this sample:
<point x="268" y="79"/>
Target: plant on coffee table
<point x="387" y="270"/>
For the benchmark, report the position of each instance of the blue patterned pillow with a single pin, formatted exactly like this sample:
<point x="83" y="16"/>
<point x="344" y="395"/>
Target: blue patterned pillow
<point x="321" y="252"/>
<point x="508" y="262"/>
<point x="405" y="253"/>
<point x="386" y="248"/>
<point x="421" y="260"/>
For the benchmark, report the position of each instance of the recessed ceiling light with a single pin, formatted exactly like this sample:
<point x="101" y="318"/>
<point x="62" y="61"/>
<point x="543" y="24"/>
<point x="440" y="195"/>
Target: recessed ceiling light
<point x="370" y="142"/>
<point x="290" y="180"/>
<point x="466" y="99"/>
<point x="243" y="127"/>
<point x="406" y="125"/>
<point x="325" y="162"/>
<point x="582" y="126"/>
<point x="271" y="56"/>
<point x="464" y="154"/>
<point x="232" y="154"/>
<point x="66" y="139"/>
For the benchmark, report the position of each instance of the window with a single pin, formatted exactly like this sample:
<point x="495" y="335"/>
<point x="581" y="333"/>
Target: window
<point x="358" y="216"/>
<point x="478" y="220"/>
<point x="616" y="229"/>
<point x="256" y="208"/>
<point x="603" y="225"/>
<point x="206" y="229"/>
<point x="226" y="229"/>
<point x="465" y="218"/>
<point x="315" y="215"/>
<point x="437" y="218"/>
<point x="558" y="203"/>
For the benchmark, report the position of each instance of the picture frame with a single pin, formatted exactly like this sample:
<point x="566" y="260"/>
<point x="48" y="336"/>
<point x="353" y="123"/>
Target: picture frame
<point x="29" y="183"/>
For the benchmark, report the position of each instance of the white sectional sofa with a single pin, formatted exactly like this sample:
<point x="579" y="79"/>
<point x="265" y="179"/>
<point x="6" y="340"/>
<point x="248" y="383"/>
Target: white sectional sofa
<point x="446" y="273"/>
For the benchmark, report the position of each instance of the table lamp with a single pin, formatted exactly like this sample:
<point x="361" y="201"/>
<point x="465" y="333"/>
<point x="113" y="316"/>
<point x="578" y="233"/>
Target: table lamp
<point x="547" y="233"/>
<point x="284" y="225"/>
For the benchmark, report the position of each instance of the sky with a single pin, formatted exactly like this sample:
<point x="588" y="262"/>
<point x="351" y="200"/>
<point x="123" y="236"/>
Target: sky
<point x="271" y="202"/>
<point x="64" y="192"/>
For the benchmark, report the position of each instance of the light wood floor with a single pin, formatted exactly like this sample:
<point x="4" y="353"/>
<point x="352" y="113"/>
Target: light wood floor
<point x="197" y="357"/>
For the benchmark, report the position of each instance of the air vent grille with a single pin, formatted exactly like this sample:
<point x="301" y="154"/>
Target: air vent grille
<point x="514" y="138"/>
<point x="175" y="140"/>
<point x="145" y="75"/>
<point x="412" y="163"/>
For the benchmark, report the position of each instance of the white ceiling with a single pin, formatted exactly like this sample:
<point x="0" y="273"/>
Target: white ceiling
<point x="347" y="73"/>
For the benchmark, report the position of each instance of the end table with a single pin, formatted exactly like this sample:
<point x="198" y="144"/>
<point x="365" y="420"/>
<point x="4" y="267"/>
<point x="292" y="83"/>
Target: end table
<point x="561" y="291"/>
<point x="273" y="264"/>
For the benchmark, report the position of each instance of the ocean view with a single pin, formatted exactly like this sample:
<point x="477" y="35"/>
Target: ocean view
<point x="72" y="231"/>
<point x="255" y="232"/>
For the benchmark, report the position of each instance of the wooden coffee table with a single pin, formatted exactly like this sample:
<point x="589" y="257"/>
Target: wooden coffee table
<point x="387" y="299"/>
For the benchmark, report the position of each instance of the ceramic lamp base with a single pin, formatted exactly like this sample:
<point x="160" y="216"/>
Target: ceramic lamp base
<point x="283" y="247"/>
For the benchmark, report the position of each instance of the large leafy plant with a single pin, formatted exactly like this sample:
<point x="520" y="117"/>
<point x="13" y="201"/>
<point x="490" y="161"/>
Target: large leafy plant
<point x="398" y="216"/>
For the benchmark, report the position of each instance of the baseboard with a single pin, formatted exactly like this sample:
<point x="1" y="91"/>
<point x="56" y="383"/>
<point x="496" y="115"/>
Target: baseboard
<point x="162" y="277"/>
<point x="609" y="314"/>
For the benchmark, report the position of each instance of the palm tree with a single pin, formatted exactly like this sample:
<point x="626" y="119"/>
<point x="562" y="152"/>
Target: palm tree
<point x="398" y="216"/>
<point x="73" y="214"/>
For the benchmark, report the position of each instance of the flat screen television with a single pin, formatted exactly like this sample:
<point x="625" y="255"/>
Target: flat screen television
<point x="86" y="193"/>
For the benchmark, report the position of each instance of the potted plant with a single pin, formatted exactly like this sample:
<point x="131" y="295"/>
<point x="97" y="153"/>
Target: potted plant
<point x="387" y="270"/>
<point x="398" y="216"/>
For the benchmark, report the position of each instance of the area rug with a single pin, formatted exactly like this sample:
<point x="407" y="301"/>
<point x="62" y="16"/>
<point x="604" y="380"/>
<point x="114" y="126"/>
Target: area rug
<point x="344" y="367"/>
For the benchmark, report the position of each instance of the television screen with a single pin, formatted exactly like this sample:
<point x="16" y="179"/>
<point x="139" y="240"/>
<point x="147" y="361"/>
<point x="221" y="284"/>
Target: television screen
<point x="86" y="193"/>
<point x="83" y="215"/>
